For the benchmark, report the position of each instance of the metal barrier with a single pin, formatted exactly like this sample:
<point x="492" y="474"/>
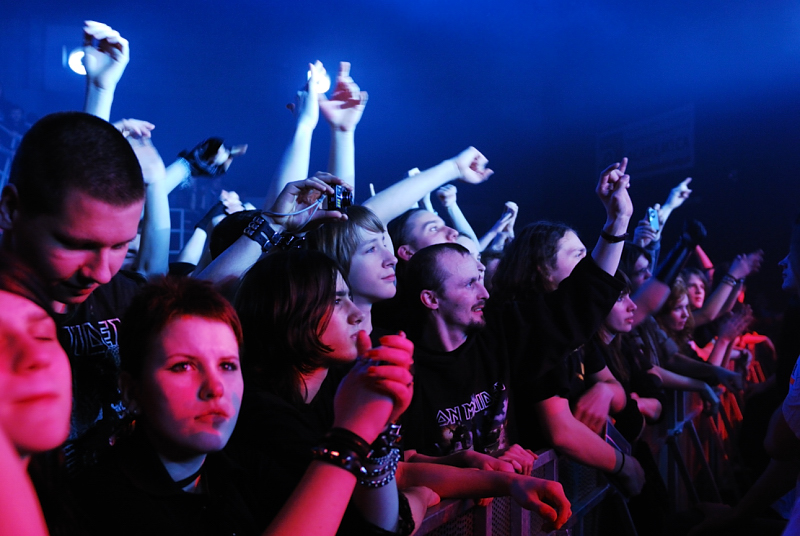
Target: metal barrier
<point x="683" y="454"/>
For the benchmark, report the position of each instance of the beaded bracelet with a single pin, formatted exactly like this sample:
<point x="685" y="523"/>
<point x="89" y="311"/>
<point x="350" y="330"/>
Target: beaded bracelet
<point x="380" y="471"/>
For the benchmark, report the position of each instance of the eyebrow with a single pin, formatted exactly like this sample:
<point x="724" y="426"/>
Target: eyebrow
<point x="84" y="244"/>
<point x="431" y="222"/>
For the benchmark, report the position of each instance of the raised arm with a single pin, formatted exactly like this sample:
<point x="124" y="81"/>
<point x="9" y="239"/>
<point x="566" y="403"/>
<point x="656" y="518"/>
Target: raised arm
<point x="106" y="54"/>
<point x="714" y="306"/>
<point x="504" y="225"/>
<point x="343" y="111"/>
<point x="447" y="195"/>
<point x="297" y="206"/>
<point x="469" y="166"/>
<point x="295" y="160"/>
<point x="153" y="256"/>
<point x="612" y="189"/>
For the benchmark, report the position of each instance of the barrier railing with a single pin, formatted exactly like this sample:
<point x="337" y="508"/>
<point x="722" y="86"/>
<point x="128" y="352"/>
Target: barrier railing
<point x="682" y="449"/>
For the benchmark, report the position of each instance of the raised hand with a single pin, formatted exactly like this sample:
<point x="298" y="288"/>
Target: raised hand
<point x="471" y="166"/>
<point x="447" y="195"/>
<point x="643" y="234"/>
<point x="744" y="265"/>
<point x="344" y="109"/>
<point x="510" y="217"/>
<point x="306" y="105"/>
<point x="134" y="128"/>
<point x="612" y="189"/>
<point x="293" y="207"/>
<point x="679" y="194"/>
<point x="106" y="54"/>
<point x="153" y="168"/>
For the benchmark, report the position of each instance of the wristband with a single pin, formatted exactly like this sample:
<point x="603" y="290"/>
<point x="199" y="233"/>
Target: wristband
<point x="728" y="279"/>
<point x="344" y="449"/>
<point x="621" y="466"/>
<point x="259" y="231"/>
<point x="611" y="239"/>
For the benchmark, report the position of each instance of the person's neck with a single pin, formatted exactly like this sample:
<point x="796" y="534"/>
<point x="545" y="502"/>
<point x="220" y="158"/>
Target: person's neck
<point x="184" y="468"/>
<point x="605" y="335"/>
<point x="313" y="381"/>
<point x="437" y="335"/>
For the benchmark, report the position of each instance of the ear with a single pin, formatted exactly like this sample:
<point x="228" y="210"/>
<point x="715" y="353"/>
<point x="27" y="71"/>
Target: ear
<point x="9" y="205"/>
<point x="405" y="252"/>
<point x="429" y="299"/>
<point x="129" y="388"/>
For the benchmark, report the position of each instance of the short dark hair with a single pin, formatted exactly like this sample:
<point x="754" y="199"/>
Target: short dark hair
<point x="424" y="272"/>
<point x="528" y="261"/>
<point x="17" y="278"/>
<point x="284" y="302"/>
<point x="162" y="301"/>
<point x="399" y="230"/>
<point x="339" y="240"/>
<point x="69" y="151"/>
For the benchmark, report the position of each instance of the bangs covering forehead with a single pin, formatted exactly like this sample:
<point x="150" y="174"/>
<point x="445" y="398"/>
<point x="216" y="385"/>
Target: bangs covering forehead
<point x="340" y="240"/>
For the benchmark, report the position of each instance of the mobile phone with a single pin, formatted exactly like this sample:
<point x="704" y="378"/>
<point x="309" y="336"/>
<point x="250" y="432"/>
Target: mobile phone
<point x="652" y="217"/>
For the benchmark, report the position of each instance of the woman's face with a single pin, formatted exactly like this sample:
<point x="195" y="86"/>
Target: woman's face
<point x="696" y="291"/>
<point x="35" y="377"/>
<point x="620" y="319"/>
<point x="372" y="268"/>
<point x="569" y="253"/>
<point x="679" y="314"/>
<point x="344" y="323"/>
<point x="191" y="387"/>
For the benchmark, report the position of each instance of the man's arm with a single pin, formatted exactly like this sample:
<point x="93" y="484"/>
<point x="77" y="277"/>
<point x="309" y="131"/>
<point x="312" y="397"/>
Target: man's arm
<point x="606" y="395"/>
<point x="343" y="112"/>
<point x="295" y="161"/>
<point x="612" y="189"/>
<point x="714" y="306"/>
<point x="542" y="496"/>
<point x="106" y="54"/>
<point x="447" y="195"/>
<point x="571" y="437"/>
<point x="297" y="198"/>
<point x="469" y="166"/>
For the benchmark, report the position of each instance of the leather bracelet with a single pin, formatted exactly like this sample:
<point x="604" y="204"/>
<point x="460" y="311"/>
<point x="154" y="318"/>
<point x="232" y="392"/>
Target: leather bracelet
<point x="347" y="439"/>
<point x="386" y="441"/>
<point x="611" y="239"/>
<point x="260" y="232"/>
<point x="348" y="460"/>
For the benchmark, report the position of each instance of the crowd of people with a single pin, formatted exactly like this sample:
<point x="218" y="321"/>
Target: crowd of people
<point x="320" y="366"/>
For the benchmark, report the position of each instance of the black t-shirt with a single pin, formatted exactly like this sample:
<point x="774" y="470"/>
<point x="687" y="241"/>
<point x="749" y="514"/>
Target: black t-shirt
<point x="89" y="334"/>
<point x="482" y="395"/>
<point x="130" y="493"/>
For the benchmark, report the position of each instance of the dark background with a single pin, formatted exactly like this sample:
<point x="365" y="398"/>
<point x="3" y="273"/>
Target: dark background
<point x="531" y="84"/>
